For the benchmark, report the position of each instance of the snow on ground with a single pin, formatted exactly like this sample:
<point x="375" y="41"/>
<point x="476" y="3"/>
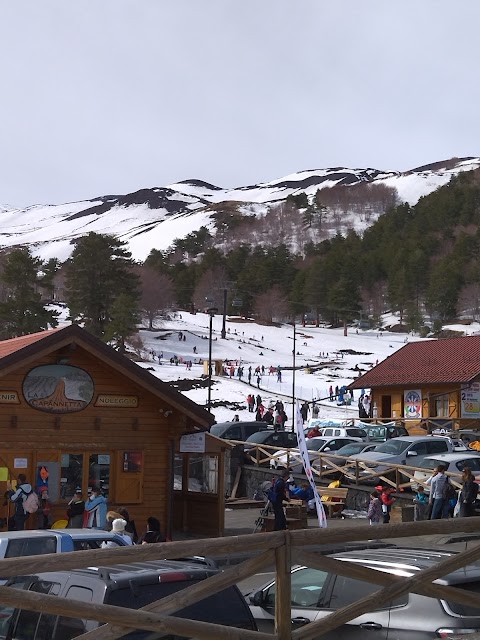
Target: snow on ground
<point x="251" y="344"/>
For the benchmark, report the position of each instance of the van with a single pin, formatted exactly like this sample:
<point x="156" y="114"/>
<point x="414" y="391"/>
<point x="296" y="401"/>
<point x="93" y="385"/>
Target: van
<point x="133" y="585"/>
<point x="383" y="432"/>
<point x="237" y="430"/>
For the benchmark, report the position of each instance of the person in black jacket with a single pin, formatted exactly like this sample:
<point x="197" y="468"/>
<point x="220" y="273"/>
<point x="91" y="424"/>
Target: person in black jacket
<point x="268" y="416"/>
<point x="153" y="533"/>
<point x="468" y="494"/>
<point x="130" y="527"/>
<point x="280" y="491"/>
<point x="76" y="508"/>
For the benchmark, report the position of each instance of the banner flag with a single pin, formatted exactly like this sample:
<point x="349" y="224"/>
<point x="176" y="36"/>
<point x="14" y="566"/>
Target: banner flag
<point x="302" y="446"/>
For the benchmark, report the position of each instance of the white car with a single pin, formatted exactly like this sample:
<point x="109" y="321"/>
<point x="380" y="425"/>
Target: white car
<point x="320" y="443"/>
<point x="453" y="462"/>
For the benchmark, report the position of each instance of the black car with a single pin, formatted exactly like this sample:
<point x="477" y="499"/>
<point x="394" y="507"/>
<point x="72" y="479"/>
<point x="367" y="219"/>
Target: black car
<point x="281" y="439"/>
<point x="133" y="585"/>
<point x="237" y="430"/>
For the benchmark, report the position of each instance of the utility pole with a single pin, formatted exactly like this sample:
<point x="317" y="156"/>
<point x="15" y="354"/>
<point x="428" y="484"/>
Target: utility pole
<point x="294" y="408"/>
<point x="211" y="312"/>
<point x="223" y="335"/>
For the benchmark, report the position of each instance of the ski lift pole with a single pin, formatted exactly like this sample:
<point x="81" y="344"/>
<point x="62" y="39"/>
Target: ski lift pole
<point x="293" y="376"/>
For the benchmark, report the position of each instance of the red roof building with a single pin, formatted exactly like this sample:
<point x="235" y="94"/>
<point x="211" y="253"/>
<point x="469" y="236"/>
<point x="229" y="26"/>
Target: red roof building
<point x="434" y="380"/>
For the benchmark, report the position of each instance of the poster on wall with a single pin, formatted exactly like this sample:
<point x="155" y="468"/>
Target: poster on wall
<point x="412" y="404"/>
<point x="132" y="461"/>
<point x="471" y="401"/>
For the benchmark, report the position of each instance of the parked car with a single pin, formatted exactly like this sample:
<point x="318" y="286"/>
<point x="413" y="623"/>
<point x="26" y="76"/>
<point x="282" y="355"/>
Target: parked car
<point x="403" y="450"/>
<point x="316" y="594"/>
<point x="285" y="439"/>
<point x="132" y="585"/>
<point x="352" y="449"/>
<point x="237" y="430"/>
<point x="320" y="443"/>
<point x="383" y="432"/>
<point x="453" y="462"/>
<point x="14" y="544"/>
<point x="333" y="432"/>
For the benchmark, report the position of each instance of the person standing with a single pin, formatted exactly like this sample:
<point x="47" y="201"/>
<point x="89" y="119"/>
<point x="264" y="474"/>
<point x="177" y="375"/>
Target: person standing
<point x="304" y="410"/>
<point x="374" y="513"/>
<point x="437" y="500"/>
<point x="96" y="507"/>
<point x="387" y="501"/>
<point x="279" y="495"/>
<point x="420" y="502"/>
<point x="75" y="511"/>
<point x="18" y="497"/>
<point x="468" y="494"/>
<point x="316" y="409"/>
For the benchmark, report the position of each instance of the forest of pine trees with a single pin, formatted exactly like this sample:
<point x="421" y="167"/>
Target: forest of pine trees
<point x="421" y="262"/>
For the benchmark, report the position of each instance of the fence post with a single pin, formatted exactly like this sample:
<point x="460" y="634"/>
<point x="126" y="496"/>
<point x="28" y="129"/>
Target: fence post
<point x="283" y="597"/>
<point x="397" y="479"/>
<point x="357" y="472"/>
<point x="257" y="455"/>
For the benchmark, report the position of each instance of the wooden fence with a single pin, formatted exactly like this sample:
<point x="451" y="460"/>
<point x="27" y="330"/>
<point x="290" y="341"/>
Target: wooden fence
<point x="281" y="548"/>
<point x="357" y="470"/>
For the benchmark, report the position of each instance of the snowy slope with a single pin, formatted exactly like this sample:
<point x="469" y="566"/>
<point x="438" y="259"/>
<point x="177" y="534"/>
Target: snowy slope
<point x="153" y="218"/>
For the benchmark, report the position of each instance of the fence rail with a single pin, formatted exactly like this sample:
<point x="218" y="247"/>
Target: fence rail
<point x="284" y="548"/>
<point x="357" y="470"/>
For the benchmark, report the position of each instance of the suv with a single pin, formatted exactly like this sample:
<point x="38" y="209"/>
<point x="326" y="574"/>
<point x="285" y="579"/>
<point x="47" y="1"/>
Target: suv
<point x="237" y="430"/>
<point x="344" y="432"/>
<point x="403" y="450"/>
<point x="316" y="594"/>
<point x="14" y="544"/>
<point x="383" y="432"/>
<point x="132" y="585"/>
<point x="284" y="439"/>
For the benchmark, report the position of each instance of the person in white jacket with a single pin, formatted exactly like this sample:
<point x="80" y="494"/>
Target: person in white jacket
<point x="18" y="497"/>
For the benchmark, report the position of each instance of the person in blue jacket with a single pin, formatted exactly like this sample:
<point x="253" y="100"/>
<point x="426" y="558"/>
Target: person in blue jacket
<point x="96" y="506"/>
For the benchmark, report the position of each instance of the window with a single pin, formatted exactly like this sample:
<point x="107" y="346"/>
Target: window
<point x="88" y="545"/>
<point x="473" y="463"/>
<point x="34" y="546"/>
<point x="99" y="472"/>
<point x="202" y="473"/>
<point x="441" y="406"/>
<point x="347" y="590"/>
<point x="291" y="440"/>
<point x="437" y="446"/>
<point x="420" y="448"/>
<point x="31" y="624"/>
<point x="71" y="474"/>
<point x="465" y="609"/>
<point x="178" y="472"/>
<point x="234" y="433"/>
<point x="6" y="612"/>
<point x="308" y="589"/>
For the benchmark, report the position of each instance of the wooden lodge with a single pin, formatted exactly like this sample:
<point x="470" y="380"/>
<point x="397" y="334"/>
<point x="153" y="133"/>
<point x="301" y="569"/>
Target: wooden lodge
<point x="74" y="413"/>
<point x="434" y="383"/>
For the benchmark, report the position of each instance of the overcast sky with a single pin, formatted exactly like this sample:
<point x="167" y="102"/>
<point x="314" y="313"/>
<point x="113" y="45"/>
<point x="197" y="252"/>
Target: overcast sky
<point x="109" y="96"/>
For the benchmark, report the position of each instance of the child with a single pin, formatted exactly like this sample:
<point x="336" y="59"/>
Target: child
<point x="420" y="501"/>
<point x="387" y="501"/>
<point x="374" y="513"/>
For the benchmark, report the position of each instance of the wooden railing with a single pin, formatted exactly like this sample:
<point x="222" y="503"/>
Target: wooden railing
<point x="357" y="470"/>
<point x="281" y="548"/>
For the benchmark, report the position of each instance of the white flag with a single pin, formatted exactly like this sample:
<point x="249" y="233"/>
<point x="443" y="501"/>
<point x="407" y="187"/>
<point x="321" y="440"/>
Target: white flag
<point x="302" y="446"/>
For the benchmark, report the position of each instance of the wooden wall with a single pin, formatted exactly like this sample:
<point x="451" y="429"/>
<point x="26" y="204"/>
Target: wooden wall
<point x="40" y="436"/>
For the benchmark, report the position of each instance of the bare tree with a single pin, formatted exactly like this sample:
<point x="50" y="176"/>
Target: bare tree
<point x="157" y="293"/>
<point x="209" y="289"/>
<point x="469" y="301"/>
<point x="271" y="304"/>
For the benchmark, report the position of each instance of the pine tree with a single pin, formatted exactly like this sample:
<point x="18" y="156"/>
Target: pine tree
<point x="23" y="311"/>
<point x="124" y="318"/>
<point x="99" y="270"/>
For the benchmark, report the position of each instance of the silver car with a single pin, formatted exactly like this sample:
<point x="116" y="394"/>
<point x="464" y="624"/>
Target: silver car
<point x="316" y="594"/>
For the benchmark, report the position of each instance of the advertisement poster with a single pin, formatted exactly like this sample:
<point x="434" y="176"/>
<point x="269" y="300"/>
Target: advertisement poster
<point x="412" y="404"/>
<point x="471" y="401"/>
<point x="302" y="446"/>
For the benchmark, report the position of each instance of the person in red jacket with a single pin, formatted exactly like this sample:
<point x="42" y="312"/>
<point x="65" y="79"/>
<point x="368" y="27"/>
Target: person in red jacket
<point x="387" y="501"/>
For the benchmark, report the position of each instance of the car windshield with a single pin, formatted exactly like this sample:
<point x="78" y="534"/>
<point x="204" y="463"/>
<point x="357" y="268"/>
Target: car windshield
<point x="314" y="444"/>
<point x="351" y="449"/>
<point x="394" y="447"/>
<point x="216" y="429"/>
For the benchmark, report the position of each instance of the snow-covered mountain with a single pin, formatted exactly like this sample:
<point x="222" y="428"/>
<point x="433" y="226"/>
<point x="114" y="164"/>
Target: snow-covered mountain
<point x="153" y="218"/>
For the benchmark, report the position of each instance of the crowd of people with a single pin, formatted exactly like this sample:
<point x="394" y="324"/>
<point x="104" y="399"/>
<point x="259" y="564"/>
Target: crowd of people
<point x="91" y="513"/>
<point x="443" y="501"/>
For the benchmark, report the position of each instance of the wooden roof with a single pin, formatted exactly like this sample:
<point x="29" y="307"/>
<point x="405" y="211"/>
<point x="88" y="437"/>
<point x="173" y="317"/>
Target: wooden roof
<point x="430" y="362"/>
<point x="17" y="352"/>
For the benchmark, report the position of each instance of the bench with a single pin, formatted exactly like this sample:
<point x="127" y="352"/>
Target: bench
<point x="332" y="497"/>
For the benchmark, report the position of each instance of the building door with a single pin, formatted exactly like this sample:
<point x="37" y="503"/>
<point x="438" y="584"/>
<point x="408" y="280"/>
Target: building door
<point x="12" y="463"/>
<point x="386" y="406"/>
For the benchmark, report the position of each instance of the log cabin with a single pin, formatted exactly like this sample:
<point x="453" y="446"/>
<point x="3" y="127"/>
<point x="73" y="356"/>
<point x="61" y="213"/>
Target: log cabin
<point x="75" y="413"/>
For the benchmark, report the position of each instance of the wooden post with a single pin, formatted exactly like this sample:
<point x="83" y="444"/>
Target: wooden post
<point x="283" y="597"/>
<point x="357" y="472"/>
<point x="397" y="480"/>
